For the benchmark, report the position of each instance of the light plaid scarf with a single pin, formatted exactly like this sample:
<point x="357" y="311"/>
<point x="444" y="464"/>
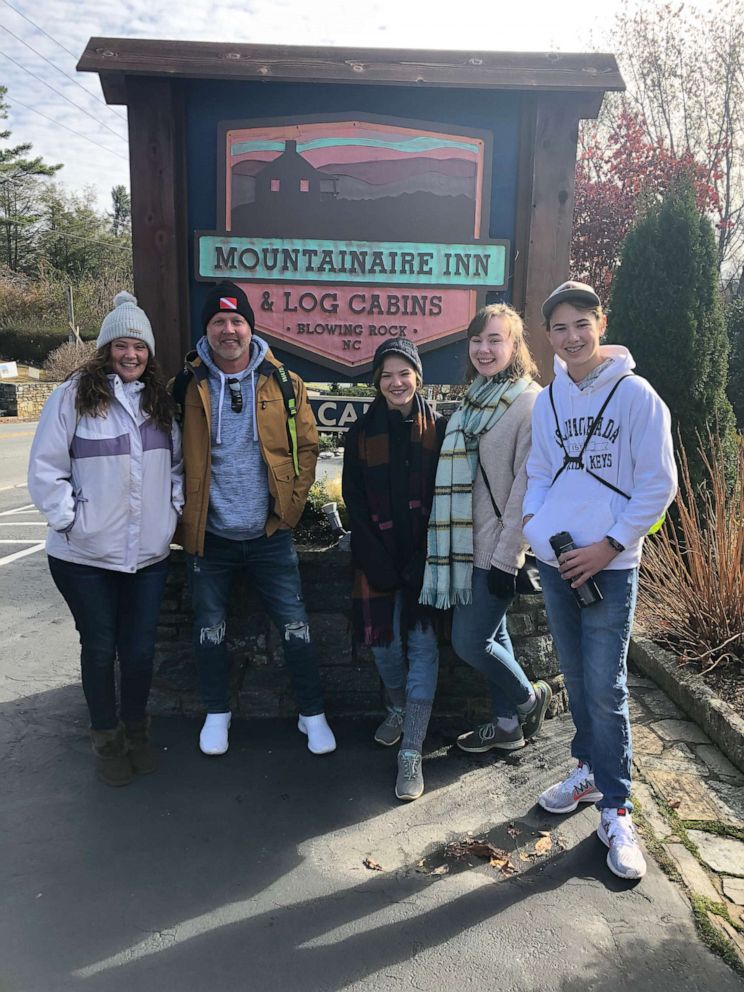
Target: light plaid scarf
<point x="449" y="561"/>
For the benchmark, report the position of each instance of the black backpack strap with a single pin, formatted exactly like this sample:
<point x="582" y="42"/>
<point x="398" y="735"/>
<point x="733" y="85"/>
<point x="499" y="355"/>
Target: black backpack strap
<point x="290" y="404"/>
<point x="180" y="385"/>
<point x="579" y="459"/>
<point x="485" y="479"/>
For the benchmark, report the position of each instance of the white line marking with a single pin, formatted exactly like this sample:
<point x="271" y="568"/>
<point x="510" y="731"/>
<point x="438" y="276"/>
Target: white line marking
<point x="23" y="523"/>
<point x="22" y="554"/>
<point x="19" y="509"/>
<point x="20" y="540"/>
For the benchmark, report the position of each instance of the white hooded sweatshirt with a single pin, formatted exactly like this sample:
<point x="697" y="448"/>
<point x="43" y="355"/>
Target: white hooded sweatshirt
<point x="631" y="449"/>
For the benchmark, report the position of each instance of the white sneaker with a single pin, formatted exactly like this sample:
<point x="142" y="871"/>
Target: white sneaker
<point x="625" y="857"/>
<point x="320" y="739"/>
<point x="213" y="736"/>
<point x="565" y="796"/>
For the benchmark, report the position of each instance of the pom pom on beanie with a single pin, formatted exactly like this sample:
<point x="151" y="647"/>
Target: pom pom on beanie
<point x="126" y="320"/>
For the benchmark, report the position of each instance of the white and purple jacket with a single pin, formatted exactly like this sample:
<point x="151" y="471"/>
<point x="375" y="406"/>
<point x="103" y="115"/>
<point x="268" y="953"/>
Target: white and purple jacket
<point x="111" y="488"/>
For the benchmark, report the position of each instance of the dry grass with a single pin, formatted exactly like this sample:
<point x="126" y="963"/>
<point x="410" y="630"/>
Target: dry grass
<point x="67" y="357"/>
<point x="691" y="595"/>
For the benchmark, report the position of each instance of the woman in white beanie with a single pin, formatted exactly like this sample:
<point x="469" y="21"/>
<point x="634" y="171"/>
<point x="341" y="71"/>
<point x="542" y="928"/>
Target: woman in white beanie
<point x="105" y="470"/>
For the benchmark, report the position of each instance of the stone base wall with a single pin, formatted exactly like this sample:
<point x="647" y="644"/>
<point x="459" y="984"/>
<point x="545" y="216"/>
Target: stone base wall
<point x="352" y="688"/>
<point x="25" y="400"/>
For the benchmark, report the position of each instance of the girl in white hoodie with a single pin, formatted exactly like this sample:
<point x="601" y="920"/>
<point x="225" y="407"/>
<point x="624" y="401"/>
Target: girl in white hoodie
<point x="105" y="470"/>
<point x="601" y="468"/>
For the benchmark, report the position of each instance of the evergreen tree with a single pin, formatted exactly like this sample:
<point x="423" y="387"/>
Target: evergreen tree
<point x="666" y="307"/>
<point x="121" y="220"/>
<point x="735" y="327"/>
<point x="19" y="190"/>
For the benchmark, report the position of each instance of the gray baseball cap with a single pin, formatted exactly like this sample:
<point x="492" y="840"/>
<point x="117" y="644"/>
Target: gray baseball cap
<point x="570" y="292"/>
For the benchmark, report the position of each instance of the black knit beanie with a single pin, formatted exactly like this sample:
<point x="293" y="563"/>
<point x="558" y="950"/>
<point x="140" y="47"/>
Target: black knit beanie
<point x="228" y="298"/>
<point x="398" y="346"/>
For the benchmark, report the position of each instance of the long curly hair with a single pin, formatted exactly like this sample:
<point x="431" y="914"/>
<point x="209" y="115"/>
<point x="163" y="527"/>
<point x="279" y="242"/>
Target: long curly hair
<point x="93" y="396"/>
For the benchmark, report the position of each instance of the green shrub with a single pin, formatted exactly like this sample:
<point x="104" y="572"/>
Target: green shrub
<point x="735" y="328"/>
<point x="328" y="442"/>
<point x="666" y="307"/>
<point x="32" y="344"/>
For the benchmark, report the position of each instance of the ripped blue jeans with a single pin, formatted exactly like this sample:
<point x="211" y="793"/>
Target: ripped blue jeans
<point x="270" y="564"/>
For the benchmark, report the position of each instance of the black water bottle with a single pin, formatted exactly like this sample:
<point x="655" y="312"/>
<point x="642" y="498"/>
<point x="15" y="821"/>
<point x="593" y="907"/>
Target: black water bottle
<point x="588" y="593"/>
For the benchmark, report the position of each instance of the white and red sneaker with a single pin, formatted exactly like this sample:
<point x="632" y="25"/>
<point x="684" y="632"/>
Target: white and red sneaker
<point x="565" y="796"/>
<point x="625" y="857"/>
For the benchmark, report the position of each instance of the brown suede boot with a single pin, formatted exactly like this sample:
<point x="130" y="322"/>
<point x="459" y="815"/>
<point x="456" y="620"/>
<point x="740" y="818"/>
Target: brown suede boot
<point x="112" y="759"/>
<point x="141" y="753"/>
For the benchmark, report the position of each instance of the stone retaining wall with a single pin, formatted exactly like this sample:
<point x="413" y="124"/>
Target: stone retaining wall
<point x="260" y="683"/>
<point x="25" y="400"/>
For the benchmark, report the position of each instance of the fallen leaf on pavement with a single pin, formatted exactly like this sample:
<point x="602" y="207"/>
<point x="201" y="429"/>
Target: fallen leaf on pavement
<point x="441" y="870"/>
<point x="475" y="848"/>
<point x="372" y="865"/>
<point x="543" y="845"/>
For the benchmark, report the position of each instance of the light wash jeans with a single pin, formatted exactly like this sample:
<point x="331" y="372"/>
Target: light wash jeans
<point x="473" y="626"/>
<point x="419" y="678"/>
<point x="592" y="648"/>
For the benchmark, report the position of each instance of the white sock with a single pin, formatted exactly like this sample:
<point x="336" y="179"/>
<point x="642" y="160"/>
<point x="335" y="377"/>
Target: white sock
<point x="507" y="723"/>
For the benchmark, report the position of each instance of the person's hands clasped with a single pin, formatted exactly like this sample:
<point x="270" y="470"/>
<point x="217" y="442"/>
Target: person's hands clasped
<point x="502" y="584"/>
<point x="578" y="566"/>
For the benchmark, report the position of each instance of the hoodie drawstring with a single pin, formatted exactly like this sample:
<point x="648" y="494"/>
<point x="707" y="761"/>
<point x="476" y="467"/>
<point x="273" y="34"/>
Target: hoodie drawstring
<point x="219" y="409"/>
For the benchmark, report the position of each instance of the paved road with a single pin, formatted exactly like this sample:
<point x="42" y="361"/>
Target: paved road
<point x="15" y="443"/>
<point x="246" y="872"/>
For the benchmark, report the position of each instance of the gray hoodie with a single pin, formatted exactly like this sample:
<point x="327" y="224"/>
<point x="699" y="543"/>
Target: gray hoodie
<point x="239" y="489"/>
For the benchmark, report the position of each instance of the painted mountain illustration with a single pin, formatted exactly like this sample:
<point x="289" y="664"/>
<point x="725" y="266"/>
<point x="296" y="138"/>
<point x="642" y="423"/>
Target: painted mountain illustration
<point x="346" y="180"/>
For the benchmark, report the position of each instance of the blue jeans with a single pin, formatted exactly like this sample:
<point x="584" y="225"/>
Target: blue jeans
<point x="420" y="680"/>
<point x="116" y="615"/>
<point x="272" y="566"/>
<point x="482" y="621"/>
<point x="592" y="648"/>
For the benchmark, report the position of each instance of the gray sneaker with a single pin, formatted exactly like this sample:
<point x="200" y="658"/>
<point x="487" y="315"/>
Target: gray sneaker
<point x="410" y="782"/>
<point x="489" y="736"/>
<point x="390" y="730"/>
<point x="533" y="720"/>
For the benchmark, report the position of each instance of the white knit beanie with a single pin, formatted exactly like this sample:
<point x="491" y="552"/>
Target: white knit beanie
<point x="126" y="320"/>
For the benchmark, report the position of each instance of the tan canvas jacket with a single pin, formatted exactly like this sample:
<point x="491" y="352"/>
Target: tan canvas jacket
<point x="288" y="493"/>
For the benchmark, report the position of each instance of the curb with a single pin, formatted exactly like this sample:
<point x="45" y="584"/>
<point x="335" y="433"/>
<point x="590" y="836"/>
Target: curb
<point x="719" y="720"/>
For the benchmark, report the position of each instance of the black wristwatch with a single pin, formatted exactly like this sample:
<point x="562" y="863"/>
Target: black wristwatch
<point x="616" y="545"/>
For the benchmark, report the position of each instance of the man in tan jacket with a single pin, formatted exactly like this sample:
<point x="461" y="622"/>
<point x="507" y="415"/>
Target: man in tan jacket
<point x="250" y="447"/>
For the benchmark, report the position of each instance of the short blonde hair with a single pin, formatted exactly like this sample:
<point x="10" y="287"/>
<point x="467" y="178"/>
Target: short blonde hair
<point x="522" y="363"/>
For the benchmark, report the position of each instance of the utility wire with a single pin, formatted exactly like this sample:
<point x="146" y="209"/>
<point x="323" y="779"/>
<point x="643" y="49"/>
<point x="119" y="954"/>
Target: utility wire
<point x="60" y="93"/>
<point x="33" y="110"/>
<point x="64" y="49"/>
<point x="50" y="233"/>
<point x="49" y="62"/>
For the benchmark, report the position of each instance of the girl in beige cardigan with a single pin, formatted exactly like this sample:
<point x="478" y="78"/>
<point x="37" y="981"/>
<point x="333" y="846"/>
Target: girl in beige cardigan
<point x="497" y="351"/>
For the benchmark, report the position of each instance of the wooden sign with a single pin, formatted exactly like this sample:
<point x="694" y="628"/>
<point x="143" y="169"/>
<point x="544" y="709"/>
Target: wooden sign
<point x="346" y="231"/>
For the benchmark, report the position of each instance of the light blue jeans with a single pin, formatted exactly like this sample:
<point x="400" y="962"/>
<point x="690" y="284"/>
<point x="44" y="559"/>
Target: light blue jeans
<point x="592" y="648"/>
<point x="473" y="626"/>
<point x="419" y="677"/>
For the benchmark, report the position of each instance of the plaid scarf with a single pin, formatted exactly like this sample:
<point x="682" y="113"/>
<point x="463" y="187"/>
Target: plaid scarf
<point x="449" y="562"/>
<point x="372" y="609"/>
